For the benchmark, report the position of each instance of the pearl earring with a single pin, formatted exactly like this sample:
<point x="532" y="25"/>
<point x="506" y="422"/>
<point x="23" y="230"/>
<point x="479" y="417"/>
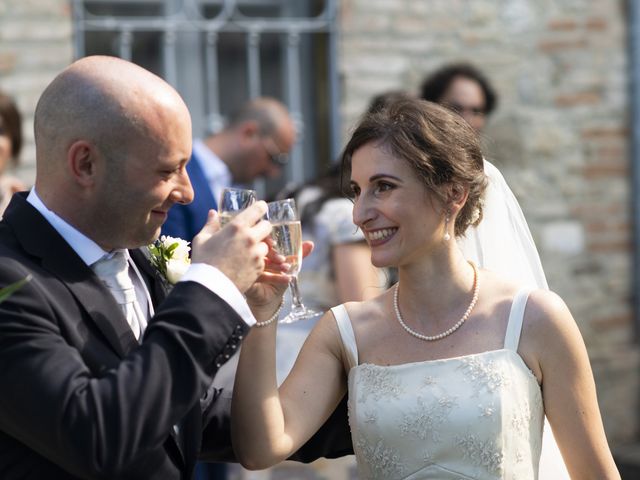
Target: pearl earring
<point x="446" y="236"/>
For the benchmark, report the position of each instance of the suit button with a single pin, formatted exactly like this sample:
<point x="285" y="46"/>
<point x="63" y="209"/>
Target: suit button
<point x="234" y="346"/>
<point x="239" y="337"/>
<point x="218" y="365"/>
<point x="226" y="356"/>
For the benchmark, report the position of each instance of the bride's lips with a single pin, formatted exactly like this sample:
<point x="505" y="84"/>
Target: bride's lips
<point x="379" y="236"/>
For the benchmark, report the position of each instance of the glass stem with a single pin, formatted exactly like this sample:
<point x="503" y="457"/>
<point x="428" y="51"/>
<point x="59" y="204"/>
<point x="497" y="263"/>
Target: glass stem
<point x="295" y="293"/>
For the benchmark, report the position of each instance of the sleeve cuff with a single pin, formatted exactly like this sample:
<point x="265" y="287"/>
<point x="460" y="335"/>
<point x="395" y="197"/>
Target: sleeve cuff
<point x="217" y="282"/>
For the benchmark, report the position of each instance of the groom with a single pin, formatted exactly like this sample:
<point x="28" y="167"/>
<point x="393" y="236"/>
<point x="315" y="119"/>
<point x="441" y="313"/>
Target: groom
<point x="104" y="375"/>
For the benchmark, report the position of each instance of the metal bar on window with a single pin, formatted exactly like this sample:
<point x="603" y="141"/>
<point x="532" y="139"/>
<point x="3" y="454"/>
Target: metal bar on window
<point x="169" y="57"/>
<point x="78" y="19"/>
<point x="215" y="122"/>
<point x="253" y="63"/>
<point x="294" y="102"/>
<point x="125" y="45"/>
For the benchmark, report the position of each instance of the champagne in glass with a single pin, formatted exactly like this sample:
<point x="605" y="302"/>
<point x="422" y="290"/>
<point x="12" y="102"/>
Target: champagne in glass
<point x="288" y="242"/>
<point x="233" y="201"/>
<point x="287" y="236"/>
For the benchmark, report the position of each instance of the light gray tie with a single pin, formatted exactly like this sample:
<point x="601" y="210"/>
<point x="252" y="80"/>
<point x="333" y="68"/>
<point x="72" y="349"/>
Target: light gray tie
<point x="113" y="270"/>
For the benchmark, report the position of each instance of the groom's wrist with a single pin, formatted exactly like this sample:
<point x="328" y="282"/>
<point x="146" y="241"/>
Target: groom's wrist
<point x="217" y="282"/>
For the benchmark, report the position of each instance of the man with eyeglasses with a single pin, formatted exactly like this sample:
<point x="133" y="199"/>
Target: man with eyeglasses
<point x="255" y="144"/>
<point x="464" y="89"/>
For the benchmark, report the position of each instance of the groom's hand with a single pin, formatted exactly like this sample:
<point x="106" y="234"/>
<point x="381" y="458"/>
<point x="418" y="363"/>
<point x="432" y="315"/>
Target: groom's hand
<point x="239" y="249"/>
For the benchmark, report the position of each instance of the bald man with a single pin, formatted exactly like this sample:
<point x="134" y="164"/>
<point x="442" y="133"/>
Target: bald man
<point x="254" y="144"/>
<point x="89" y="391"/>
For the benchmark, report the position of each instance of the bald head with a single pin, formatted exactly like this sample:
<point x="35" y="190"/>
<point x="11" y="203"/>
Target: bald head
<point x="112" y="144"/>
<point x="269" y="113"/>
<point x="258" y="137"/>
<point x="104" y="100"/>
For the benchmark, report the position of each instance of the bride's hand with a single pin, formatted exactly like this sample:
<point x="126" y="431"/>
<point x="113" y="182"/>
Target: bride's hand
<point x="265" y="295"/>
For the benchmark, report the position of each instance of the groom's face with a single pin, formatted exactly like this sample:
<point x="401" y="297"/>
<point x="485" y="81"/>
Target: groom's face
<point x="141" y="187"/>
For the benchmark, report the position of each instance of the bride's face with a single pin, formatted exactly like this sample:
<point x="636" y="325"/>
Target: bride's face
<point x="400" y="220"/>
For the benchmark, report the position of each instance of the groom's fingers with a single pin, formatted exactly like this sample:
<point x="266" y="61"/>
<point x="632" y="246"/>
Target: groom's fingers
<point x="213" y="221"/>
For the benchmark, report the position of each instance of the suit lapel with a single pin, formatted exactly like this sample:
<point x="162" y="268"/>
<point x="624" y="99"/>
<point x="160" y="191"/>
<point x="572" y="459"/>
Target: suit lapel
<point x="42" y="241"/>
<point x="157" y="286"/>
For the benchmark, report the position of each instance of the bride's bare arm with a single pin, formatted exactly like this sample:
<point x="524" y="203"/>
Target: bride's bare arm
<point x="268" y="424"/>
<point x="568" y="387"/>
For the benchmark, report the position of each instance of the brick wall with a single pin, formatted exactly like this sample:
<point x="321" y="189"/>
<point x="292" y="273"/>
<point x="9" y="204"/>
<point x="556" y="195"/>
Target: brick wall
<point x="35" y="44"/>
<point x="560" y="136"/>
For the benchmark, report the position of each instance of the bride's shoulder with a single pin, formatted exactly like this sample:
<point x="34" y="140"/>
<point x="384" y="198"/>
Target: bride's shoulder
<point x="367" y="310"/>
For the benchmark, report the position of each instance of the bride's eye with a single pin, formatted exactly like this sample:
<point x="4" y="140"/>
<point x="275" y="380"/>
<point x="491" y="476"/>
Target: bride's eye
<point x="382" y="187"/>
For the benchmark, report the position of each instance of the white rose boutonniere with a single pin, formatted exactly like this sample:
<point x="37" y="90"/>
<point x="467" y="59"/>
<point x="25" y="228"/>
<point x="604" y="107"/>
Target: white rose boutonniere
<point x="171" y="257"/>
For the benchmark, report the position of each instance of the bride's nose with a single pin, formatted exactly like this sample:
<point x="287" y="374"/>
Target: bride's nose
<point x="363" y="212"/>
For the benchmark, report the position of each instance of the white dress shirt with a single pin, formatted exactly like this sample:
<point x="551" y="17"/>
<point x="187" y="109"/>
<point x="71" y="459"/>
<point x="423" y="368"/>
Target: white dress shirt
<point x="202" y="273"/>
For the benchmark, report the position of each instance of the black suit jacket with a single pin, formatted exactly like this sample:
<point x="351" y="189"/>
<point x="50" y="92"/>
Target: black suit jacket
<point x="82" y="399"/>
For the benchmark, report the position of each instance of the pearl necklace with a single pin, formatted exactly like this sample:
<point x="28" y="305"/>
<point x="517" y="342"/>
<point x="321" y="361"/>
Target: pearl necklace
<point x="431" y="338"/>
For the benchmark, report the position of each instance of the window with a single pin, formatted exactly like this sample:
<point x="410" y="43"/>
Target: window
<point x="220" y="53"/>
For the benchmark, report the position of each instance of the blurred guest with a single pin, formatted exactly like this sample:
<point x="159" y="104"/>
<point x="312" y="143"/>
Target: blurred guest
<point x="255" y="144"/>
<point x="10" y="146"/>
<point x="461" y="87"/>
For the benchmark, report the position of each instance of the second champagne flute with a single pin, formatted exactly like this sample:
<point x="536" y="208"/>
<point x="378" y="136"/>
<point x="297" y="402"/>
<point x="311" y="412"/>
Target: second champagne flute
<point x="287" y="236"/>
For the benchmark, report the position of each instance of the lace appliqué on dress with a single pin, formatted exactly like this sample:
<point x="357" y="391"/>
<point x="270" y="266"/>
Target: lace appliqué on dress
<point x="487" y="374"/>
<point x="379" y="459"/>
<point x="427" y="417"/>
<point x="378" y="383"/>
<point x="482" y="453"/>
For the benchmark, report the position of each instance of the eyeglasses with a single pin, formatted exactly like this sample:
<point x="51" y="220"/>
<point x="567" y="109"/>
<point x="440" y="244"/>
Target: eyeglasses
<point x="461" y="109"/>
<point x="278" y="158"/>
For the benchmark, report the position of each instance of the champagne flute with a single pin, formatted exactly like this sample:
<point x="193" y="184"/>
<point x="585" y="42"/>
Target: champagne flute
<point x="233" y="201"/>
<point x="287" y="236"/>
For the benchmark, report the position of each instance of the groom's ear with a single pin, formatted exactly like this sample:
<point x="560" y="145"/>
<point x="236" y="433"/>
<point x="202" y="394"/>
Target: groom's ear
<point x="81" y="162"/>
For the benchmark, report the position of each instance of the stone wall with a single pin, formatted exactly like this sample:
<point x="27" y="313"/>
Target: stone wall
<point x="560" y="136"/>
<point x="35" y="44"/>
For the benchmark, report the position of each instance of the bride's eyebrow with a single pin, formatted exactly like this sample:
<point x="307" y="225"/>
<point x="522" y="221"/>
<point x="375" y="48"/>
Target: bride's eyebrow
<point x="379" y="176"/>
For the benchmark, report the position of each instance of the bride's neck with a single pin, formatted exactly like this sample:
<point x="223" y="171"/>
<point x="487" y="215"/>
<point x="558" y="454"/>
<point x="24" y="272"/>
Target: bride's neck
<point x="433" y="287"/>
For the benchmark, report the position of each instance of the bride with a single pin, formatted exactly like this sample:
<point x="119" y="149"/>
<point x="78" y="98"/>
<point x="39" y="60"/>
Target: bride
<point x="451" y="371"/>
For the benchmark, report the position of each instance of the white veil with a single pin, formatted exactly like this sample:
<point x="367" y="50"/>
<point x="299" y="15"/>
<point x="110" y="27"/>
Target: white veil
<point x="503" y="244"/>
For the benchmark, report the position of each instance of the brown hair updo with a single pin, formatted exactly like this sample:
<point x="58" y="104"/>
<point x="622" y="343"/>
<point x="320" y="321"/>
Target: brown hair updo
<point x="439" y="145"/>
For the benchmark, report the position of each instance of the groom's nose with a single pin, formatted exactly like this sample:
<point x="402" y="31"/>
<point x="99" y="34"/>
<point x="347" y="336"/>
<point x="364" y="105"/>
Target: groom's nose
<point x="183" y="191"/>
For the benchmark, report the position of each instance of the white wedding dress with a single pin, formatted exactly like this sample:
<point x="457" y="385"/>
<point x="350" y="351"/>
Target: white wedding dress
<point x="503" y="244"/>
<point x="476" y="416"/>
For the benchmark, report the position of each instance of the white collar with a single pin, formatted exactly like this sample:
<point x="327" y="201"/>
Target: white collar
<point x="214" y="169"/>
<point x="88" y="250"/>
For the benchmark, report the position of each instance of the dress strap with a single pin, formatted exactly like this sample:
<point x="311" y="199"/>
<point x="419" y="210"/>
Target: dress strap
<point x="514" y="326"/>
<point x="346" y="333"/>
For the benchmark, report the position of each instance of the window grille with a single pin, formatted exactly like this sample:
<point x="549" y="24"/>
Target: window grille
<point x="220" y="53"/>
